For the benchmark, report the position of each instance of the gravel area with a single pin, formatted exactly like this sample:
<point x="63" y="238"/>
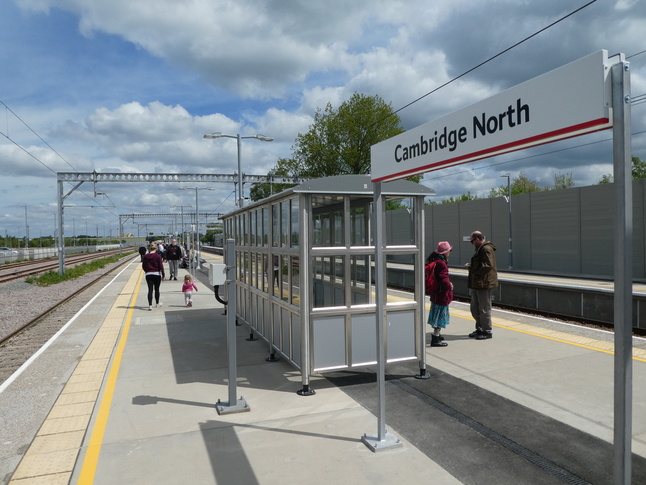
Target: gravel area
<point x="24" y="302"/>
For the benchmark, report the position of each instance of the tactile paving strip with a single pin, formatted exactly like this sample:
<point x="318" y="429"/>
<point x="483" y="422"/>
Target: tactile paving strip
<point x="52" y="455"/>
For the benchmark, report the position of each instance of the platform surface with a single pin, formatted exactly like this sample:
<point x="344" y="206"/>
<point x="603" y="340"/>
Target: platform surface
<point x="126" y="395"/>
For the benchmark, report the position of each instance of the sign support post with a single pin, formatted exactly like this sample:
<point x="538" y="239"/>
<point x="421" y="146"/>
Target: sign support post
<point x="234" y="405"/>
<point x="567" y="102"/>
<point x="623" y="262"/>
<point x="383" y="440"/>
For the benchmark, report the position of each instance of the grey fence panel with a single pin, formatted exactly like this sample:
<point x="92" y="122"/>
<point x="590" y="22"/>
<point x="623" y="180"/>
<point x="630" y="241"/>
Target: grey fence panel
<point x="639" y="231"/>
<point x="556" y="237"/>
<point x="565" y="232"/>
<point x="597" y="230"/>
<point x="474" y="216"/>
<point x="521" y="232"/>
<point x="446" y="228"/>
<point x="499" y="233"/>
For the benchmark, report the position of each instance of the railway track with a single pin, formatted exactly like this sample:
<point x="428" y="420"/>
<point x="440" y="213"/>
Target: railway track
<point x="23" y="269"/>
<point x="21" y="343"/>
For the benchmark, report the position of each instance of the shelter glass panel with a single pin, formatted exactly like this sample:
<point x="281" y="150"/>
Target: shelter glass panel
<point x="275" y="224"/>
<point x="295" y="229"/>
<point x="360" y="209"/>
<point x="295" y="298"/>
<point x="339" y="234"/>
<point x="245" y="267"/>
<point x="327" y="215"/>
<point x="400" y="224"/>
<point x="263" y="275"/>
<point x="254" y="270"/>
<point x="284" y="223"/>
<point x="360" y="279"/>
<point x="398" y="278"/>
<point x="265" y="227"/>
<point x="284" y="277"/>
<point x="275" y="280"/>
<point x="252" y="227"/>
<point x="329" y="281"/>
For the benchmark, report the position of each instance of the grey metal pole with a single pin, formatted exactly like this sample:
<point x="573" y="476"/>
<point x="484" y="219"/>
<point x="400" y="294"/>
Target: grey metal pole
<point x="383" y="440"/>
<point x="240" y="196"/>
<point x="511" y="254"/>
<point x="120" y="234"/>
<point x="234" y="405"/>
<point x="420" y="324"/>
<point x="623" y="260"/>
<point x="61" y="235"/>
<point x="26" y="229"/>
<point x="197" y="230"/>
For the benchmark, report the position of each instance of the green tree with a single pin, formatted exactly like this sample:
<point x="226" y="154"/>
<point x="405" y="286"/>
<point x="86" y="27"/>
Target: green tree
<point x="461" y="198"/>
<point x="262" y="191"/>
<point x="639" y="168"/>
<point x="563" y="181"/>
<point x="520" y="185"/>
<point x="338" y="141"/>
<point x="638" y="171"/>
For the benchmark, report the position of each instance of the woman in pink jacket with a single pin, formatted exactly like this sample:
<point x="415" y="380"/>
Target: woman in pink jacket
<point x="442" y="296"/>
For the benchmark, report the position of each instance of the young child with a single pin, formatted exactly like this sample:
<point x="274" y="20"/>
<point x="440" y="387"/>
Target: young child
<point x="187" y="289"/>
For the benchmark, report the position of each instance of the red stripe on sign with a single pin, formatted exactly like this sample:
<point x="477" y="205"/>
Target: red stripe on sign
<point x="549" y="137"/>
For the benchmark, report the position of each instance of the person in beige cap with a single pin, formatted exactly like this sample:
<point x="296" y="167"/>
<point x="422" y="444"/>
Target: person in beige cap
<point x="441" y="294"/>
<point x="483" y="278"/>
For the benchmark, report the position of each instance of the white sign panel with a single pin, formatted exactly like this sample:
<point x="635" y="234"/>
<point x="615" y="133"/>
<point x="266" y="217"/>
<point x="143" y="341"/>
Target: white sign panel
<point x="570" y="101"/>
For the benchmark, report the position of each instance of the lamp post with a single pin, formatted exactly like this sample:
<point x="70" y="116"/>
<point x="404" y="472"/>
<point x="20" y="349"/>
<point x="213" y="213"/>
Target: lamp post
<point x="511" y="258"/>
<point x="197" y="220"/>
<point x="26" y="228"/>
<point x="182" y="221"/>
<point x="238" y="138"/>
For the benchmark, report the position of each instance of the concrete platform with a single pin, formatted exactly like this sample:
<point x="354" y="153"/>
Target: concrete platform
<point x="127" y="396"/>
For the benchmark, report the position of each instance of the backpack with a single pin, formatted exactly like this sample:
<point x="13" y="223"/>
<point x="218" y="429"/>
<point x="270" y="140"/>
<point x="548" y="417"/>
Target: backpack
<point x="430" y="283"/>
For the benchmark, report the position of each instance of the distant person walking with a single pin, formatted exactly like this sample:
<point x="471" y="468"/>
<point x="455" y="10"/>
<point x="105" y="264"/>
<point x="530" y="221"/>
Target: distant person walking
<point x="442" y="293"/>
<point x="483" y="278"/>
<point x="173" y="255"/>
<point x="187" y="289"/>
<point x="142" y="252"/>
<point x="153" y="266"/>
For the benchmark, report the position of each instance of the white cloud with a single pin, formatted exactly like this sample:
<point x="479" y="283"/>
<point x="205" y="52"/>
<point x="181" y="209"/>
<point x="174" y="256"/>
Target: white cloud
<point x="144" y="80"/>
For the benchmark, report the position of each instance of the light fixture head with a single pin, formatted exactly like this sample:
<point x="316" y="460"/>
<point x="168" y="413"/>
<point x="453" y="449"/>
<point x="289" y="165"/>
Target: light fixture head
<point x="217" y="134"/>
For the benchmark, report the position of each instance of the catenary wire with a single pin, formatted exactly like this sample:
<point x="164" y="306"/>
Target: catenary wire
<point x="486" y="61"/>
<point x="531" y="156"/>
<point x="39" y="137"/>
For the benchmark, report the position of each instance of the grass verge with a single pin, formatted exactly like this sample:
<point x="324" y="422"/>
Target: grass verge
<point x="53" y="277"/>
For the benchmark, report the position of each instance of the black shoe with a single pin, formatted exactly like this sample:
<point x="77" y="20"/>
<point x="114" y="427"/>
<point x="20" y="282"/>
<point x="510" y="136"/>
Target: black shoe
<point x="484" y="336"/>
<point x="437" y="342"/>
<point x="475" y="333"/>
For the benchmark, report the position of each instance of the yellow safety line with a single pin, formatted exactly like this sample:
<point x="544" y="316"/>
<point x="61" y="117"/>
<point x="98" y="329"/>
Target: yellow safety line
<point x="510" y="326"/>
<point x="91" y="459"/>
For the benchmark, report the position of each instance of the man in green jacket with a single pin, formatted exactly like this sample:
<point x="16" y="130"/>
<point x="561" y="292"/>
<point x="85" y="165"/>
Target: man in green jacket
<point x="483" y="278"/>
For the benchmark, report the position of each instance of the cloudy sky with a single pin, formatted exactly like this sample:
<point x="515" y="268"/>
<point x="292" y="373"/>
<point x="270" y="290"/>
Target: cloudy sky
<point x="132" y="85"/>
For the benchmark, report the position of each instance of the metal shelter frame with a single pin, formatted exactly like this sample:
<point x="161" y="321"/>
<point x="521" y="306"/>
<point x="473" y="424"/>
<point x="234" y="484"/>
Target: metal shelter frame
<point x="305" y="274"/>
<point x="80" y="177"/>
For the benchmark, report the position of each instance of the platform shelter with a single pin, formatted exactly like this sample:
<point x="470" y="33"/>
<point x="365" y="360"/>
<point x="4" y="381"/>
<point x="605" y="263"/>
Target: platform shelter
<point x="305" y="263"/>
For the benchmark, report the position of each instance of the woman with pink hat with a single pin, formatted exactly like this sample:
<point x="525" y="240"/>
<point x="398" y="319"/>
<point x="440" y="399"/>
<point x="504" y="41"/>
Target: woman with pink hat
<point x="441" y="295"/>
